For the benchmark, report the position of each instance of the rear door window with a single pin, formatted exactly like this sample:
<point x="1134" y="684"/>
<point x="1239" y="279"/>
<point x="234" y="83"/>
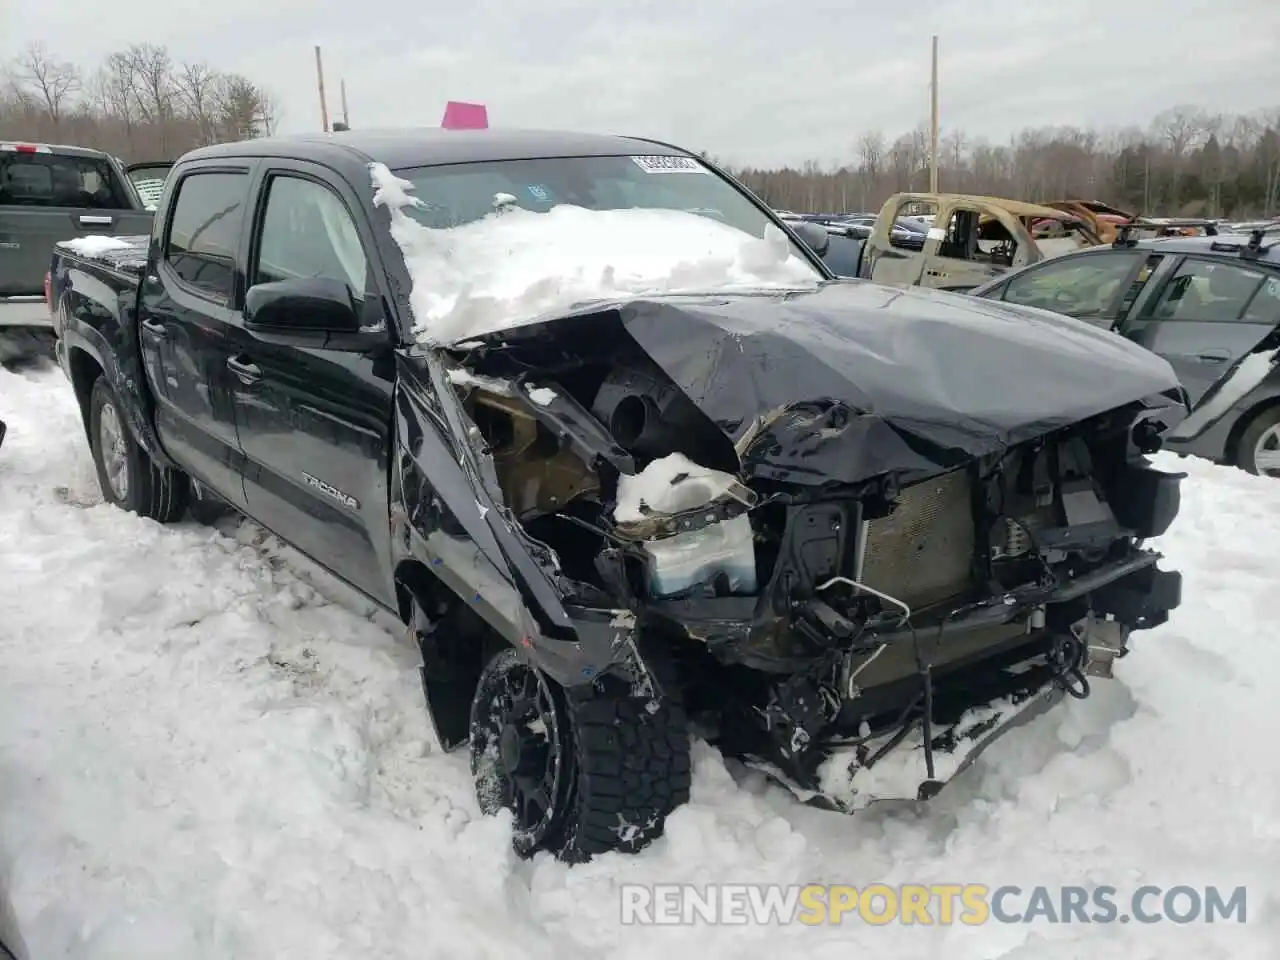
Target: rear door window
<point x="1265" y="305"/>
<point x="55" y="180"/>
<point x="204" y="231"/>
<point x="1207" y="291"/>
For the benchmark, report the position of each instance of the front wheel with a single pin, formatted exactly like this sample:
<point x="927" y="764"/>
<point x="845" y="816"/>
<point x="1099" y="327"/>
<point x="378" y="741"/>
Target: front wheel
<point x="581" y="775"/>
<point x="1259" y="449"/>
<point x="129" y="478"/>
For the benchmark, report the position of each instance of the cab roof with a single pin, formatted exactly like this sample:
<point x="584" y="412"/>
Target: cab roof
<point x="432" y="146"/>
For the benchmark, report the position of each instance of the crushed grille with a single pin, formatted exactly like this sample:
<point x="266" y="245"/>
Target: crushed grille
<point x="922" y="553"/>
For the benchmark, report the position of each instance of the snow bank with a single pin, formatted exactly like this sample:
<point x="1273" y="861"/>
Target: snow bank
<point x="517" y="266"/>
<point x="94" y="246"/>
<point x="208" y="750"/>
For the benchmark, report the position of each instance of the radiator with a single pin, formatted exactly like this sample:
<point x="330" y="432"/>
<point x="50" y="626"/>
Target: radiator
<point x="922" y="553"/>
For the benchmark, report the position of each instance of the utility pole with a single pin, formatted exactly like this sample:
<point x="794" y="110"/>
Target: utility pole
<point x="324" y="109"/>
<point x="346" y="121"/>
<point x="933" y="131"/>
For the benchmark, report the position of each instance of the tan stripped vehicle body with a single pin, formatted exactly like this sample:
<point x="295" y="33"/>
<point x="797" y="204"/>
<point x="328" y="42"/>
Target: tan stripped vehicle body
<point x="972" y="239"/>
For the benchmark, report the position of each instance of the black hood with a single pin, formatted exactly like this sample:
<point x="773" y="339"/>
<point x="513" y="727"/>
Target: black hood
<point x="859" y="379"/>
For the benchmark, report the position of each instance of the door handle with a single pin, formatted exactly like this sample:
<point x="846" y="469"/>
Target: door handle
<point x="1214" y="356"/>
<point x="156" y="328"/>
<point x="247" y="371"/>
<point x="86" y="220"/>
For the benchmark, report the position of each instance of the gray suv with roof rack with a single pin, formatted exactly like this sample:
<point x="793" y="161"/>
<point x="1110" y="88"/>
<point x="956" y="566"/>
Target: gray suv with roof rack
<point x="1210" y="305"/>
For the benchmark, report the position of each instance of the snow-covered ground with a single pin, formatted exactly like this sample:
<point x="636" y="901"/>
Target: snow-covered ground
<point x="209" y="750"/>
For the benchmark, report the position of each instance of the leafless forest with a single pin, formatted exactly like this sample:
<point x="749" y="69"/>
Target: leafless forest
<point x="1187" y="162"/>
<point x="141" y="104"/>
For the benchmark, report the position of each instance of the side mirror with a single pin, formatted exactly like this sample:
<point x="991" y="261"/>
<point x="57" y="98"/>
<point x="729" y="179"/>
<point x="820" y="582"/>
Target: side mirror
<point x="306" y="305"/>
<point x="814" y="235"/>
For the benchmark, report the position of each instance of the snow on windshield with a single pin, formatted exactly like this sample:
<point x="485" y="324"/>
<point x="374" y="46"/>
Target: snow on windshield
<point x="518" y="266"/>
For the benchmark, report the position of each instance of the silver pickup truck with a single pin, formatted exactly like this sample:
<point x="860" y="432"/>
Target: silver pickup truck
<point x="50" y="193"/>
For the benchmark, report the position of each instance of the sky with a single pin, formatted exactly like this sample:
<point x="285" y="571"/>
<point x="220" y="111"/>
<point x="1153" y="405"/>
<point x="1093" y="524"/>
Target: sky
<point x="759" y="82"/>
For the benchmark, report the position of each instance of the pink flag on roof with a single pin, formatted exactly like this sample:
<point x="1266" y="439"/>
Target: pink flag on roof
<point x="465" y="116"/>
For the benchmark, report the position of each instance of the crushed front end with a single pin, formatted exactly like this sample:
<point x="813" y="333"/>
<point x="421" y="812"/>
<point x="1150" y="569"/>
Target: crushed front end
<point x="897" y="632"/>
<point x="861" y="578"/>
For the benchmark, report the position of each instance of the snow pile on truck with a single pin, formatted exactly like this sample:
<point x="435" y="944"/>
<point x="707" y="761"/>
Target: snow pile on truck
<point x="517" y="265"/>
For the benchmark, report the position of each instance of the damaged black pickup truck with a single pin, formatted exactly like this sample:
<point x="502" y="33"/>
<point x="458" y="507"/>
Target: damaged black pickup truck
<point x="844" y="531"/>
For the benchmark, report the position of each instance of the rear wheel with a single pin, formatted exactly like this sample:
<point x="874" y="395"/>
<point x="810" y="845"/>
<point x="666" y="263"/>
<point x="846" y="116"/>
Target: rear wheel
<point x="129" y="478"/>
<point x="580" y="775"/>
<point x="1259" y="448"/>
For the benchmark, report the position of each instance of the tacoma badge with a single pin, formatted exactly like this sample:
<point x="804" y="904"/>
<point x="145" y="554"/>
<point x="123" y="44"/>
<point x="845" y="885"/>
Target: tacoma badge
<point x="347" y="501"/>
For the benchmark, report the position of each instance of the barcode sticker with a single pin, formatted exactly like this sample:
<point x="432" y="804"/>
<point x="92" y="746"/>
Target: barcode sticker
<point x="669" y="165"/>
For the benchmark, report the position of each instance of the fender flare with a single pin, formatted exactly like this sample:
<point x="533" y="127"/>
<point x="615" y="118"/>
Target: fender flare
<point x="124" y="377"/>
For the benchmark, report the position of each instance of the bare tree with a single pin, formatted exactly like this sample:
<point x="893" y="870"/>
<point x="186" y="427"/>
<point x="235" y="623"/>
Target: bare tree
<point x="53" y="82"/>
<point x="197" y="86"/>
<point x="151" y="73"/>
<point x="119" y="80"/>
<point x="871" y="153"/>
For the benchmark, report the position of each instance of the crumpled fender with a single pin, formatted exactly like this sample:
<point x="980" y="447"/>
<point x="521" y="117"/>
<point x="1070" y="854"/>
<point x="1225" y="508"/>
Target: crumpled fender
<point x="447" y="514"/>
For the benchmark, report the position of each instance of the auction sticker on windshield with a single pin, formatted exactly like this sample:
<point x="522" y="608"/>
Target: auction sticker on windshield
<point x="669" y="165"/>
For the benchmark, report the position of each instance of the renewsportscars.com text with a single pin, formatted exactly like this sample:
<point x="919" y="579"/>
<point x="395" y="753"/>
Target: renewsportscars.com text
<point x="927" y="904"/>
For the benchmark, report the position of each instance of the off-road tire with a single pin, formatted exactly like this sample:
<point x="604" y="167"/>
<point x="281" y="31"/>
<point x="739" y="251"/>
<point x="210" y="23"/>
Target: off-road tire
<point x="629" y="767"/>
<point x="1248" y="442"/>
<point x="152" y="491"/>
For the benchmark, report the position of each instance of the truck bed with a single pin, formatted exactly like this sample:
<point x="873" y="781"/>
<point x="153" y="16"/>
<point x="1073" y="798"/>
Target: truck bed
<point x="127" y="255"/>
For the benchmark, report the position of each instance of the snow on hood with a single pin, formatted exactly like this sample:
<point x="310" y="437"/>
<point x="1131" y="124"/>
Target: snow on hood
<point x="518" y="266"/>
<point x="668" y="485"/>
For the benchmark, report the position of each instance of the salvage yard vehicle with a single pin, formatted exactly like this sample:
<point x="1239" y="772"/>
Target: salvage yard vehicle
<point x="1103" y="218"/>
<point x="50" y="193"/>
<point x="615" y="495"/>
<point x="971" y="240"/>
<point x="1210" y="305"/>
<point x="1107" y="221"/>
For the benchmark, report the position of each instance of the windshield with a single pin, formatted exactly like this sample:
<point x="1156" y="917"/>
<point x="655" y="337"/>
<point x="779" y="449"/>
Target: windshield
<point x="457" y="194"/>
<point x="493" y="245"/>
